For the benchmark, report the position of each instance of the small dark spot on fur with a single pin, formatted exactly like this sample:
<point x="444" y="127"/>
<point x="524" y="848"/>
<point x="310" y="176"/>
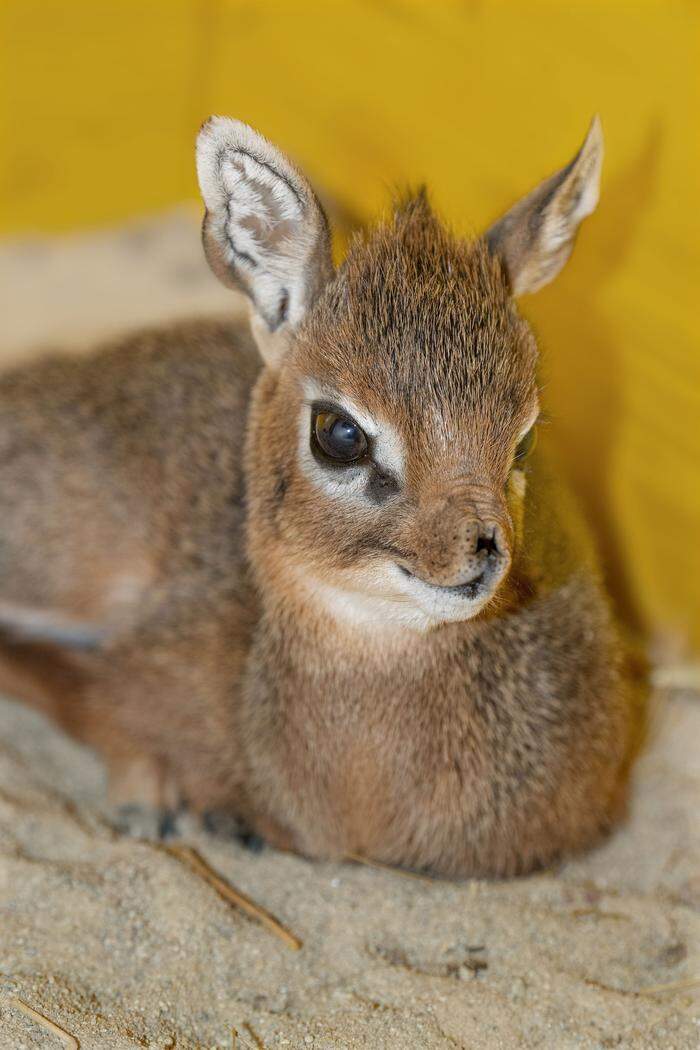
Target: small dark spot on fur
<point x="381" y="486"/>
<point x="283" y="308"/>
<point x="280" y="487"/>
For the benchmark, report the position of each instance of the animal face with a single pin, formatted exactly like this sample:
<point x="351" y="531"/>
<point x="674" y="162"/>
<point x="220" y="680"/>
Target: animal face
<point x="412" y="386"/>
<point x="390" y="430"/>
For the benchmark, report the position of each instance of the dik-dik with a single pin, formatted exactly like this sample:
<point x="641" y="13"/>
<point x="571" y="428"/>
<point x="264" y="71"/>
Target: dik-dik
<point x="325" y="589"/>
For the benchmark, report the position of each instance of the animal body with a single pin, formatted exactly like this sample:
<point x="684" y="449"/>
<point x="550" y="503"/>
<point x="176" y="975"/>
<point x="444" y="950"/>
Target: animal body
<point x="308" y="574"/>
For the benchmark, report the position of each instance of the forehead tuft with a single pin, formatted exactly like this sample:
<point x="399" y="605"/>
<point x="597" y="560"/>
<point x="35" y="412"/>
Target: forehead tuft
<point x="418" y="317"/>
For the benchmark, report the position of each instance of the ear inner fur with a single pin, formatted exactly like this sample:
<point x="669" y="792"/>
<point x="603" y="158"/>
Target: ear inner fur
<point x="535" y="238"/>
<point x="264" y="230"/>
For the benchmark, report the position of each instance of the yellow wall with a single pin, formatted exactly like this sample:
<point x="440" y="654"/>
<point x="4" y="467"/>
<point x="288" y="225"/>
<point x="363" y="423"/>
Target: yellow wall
<point x="100" y="102"/>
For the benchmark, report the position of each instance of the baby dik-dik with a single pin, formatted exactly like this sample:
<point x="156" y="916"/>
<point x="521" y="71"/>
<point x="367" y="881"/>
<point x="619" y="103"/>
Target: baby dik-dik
<point x="379" y="630"/>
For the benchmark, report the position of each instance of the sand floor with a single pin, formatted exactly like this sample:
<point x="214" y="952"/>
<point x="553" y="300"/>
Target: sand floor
<point x="123" y="946"/>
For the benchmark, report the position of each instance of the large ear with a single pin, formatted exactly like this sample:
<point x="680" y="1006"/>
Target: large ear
<point x="535" y="238"/>
<point x="264" y="230"/>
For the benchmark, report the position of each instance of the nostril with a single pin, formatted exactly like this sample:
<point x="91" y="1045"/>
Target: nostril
<point x="487" y="542"/>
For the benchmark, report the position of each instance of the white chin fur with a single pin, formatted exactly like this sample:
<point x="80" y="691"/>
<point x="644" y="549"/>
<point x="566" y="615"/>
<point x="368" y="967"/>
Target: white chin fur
<point x="386" y="598"/>
<point x="442" y="607"/>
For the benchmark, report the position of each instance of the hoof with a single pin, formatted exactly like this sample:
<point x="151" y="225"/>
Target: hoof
<point x="225" y="825"/>
<point x="143" y="822"/>
<point x="250" y="841"/>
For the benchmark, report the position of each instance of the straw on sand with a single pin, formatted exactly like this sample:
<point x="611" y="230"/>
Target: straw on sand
<point x="196" y="863"/>
<point x="66" y="1038"/>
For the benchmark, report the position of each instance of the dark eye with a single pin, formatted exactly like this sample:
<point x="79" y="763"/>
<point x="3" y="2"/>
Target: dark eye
<point x="526" y="445"/>
<point x="339" y="437"/>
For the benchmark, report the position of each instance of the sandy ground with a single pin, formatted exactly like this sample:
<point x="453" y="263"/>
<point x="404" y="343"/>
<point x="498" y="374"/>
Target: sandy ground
<point x="120" y="944"/>
<point x="123" y="946"/>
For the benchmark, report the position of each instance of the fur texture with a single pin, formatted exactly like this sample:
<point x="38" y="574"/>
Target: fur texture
<point x="409" y="656"/>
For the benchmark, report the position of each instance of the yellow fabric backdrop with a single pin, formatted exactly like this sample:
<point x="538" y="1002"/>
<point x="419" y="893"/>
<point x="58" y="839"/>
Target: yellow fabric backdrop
<point x="100" y="102"/>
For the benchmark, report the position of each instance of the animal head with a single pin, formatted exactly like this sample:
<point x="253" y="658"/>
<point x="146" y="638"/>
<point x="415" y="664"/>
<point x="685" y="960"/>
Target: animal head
<point x="399" y="398"/>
